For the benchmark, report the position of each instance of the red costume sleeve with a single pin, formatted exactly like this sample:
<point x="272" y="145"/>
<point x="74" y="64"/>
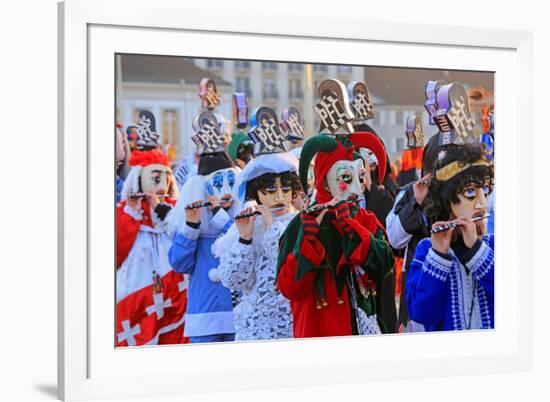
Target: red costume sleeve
<point x="289" y="286"/>
<point x="127" y="229"/>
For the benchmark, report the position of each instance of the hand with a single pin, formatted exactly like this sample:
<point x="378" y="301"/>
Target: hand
<point x="245" y="226"/>
<point x="267" y="215"/>
<point x="342" y="214"/>
<point x="468" y="229"/>
<point x="441" y="241"/>
<point x="134" y="203"/>
<point x="153" y="199"/>
<point x="193" y="215"/>
<point x="420" y="189"/>
<point x="214" y="202"/>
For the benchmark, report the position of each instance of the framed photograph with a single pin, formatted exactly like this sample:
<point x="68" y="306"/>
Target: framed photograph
<point x="143" y="93"/>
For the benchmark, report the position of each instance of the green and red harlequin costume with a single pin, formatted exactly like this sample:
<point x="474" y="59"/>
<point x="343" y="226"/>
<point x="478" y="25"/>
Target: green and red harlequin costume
<point x="331" y="270"/>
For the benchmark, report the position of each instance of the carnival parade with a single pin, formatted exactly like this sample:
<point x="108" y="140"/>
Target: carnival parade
<point x="271" y="227"/>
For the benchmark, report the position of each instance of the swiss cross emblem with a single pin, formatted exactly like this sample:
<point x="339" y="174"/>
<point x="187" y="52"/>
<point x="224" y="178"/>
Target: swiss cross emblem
<point x="128" y="333"/>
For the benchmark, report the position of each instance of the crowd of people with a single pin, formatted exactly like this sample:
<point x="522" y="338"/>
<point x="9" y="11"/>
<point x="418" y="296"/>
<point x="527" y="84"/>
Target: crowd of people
<point x="264" y="234"/>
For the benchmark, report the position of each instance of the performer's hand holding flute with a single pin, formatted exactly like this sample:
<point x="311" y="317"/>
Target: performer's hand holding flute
<point x="193" y="210"/>
<point x="442" y="232"/>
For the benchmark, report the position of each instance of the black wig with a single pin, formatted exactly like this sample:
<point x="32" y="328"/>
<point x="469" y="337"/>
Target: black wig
<point x="443" y="193"/>
<point x="261" y="183"/>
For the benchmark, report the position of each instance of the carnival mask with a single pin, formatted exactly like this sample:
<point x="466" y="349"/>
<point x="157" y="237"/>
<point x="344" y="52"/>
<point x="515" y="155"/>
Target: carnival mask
<point x="472" y="202"/>
<point x="369" y="157"/>
<point x="156" y="178"/>
<point x="220" y="185"/>
<point x="346" y="178"/>
<point x="276" y="195"/>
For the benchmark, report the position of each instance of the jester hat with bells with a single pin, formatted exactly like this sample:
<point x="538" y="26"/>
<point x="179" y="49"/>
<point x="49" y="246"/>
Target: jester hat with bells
<point x="327" y="151"/>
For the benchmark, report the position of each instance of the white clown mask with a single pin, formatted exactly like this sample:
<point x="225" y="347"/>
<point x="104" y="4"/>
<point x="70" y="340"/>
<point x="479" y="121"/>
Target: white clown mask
<point x="156" y="178"/>
<point x="220" y="184"/>
<point x="346" y="178"/>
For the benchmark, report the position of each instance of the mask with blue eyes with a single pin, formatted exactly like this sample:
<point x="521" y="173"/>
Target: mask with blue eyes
<point x="220" y="183"/>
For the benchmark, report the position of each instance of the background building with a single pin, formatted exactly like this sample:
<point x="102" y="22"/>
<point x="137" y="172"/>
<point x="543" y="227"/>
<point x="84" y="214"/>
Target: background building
<point x="168" y="86"/>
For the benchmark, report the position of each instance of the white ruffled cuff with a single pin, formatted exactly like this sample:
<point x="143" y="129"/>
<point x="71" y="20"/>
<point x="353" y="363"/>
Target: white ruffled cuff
<point x="138" y="216"/>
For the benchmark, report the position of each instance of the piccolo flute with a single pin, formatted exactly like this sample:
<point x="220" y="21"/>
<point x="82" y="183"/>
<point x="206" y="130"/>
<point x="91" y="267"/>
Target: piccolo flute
<point x="317" y="209"/>
<point x="425" y="182"/>
<point x="256" y="212"/>
<point x="453" y="224"/>
<point x="200" y="205"/>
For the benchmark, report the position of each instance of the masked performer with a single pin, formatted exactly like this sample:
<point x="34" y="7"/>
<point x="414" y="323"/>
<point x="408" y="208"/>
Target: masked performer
<point x="250" y="249"/>
<point x="329" y="264"/>
<point x="450" y="283"/>
<point x="203" y="213"/>
<point x="151" y="296"/>
<point x="379" y="194"/>
<point x="330" y="261"/>
<point x="411" y="160"/>
<point x="407" y="223"/>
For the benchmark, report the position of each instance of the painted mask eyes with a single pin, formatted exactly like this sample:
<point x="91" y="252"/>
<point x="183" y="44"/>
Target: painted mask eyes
<point x="470" y="193"/>
<point x="272" y="189"/>
<point x="231" y="179"/>
<point x="345" y="177"/>
<point x="217" y="181"/>
<point x="156" y="177"/>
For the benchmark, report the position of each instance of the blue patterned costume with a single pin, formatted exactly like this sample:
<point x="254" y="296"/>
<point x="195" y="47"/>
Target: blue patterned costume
<point x="452" y="291"/>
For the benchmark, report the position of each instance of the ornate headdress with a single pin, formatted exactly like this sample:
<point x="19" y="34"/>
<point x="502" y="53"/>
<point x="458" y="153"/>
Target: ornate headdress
<point x="414" y="133"/>
<point x="240" y="110"/>
<point x="360" y="101"/>
<point x="208" y="136"/>
<point x="266" y="133"/>
<point x="453" y="115"/>
<point x="208" y="92"/>
<point x="293" y="125"/>
<point x="431" y="98"/>
<point x="147" y="151"/>
<point x="333" y="109"/>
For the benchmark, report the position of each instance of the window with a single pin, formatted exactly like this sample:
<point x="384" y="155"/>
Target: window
<point x="295" y="90"/>
<point x="270" y="89"/>
<point x="169" y="133"/>
<point x="344" y="69"/>
<point x="269" y="66"/>
<point x="242" y="64"/>
<point x="391" y="117"/>
<point x="242" y="84"/>
<point x="321" y="68"/>
<point x="214" y="63"/>
<point x="399" y="144"/>
<point x="295" y="67"/>
<point x="399" y="117"/>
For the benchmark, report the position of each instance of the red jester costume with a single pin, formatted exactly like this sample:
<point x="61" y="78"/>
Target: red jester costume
<point x="151" y="296"/>
<point x="329" y="266"/>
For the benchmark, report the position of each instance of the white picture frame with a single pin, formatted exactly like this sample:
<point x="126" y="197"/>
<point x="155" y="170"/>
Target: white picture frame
<point x="90" y="32"/>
